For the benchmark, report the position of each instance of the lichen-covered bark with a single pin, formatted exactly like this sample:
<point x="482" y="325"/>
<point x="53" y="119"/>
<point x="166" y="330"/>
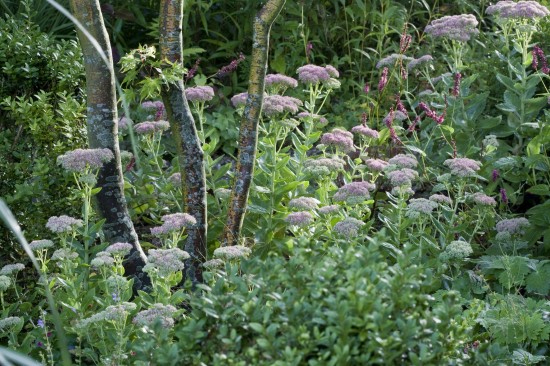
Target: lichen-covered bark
<point x="249" y="123"/>
<point x="103" y="133"/>
<point x="190" y="154"/>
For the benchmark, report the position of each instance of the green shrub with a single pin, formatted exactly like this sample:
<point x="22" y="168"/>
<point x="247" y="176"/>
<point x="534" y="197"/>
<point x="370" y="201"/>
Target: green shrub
<point x="41" y="116"/>
<point x="341" y="307"/>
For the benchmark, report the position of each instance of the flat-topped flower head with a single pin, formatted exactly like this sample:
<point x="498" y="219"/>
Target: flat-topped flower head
<point x="124" y="122"/>
<point x="158" y="313"/>
<point x="339" y="138"/>
<point x="213" y="263"/>
<point x="64" y="254"/>
<point x="81" y="159"/>
<point x="376" y="165"/>
<point x="348" y="228"/>
<point x="113" y="313"/>
<point x="454" y="27"/>
<point x="456" y="250"/>
<point x="402" y="177"/>
<point x="521" y="9"/>
<point x="148" y="104"/>
<point x="5" y="283"/>
<point x="199" y="94"/>
<point x="326" y="210"/>
<point x="513" y="226"/>
<point x="151" y="127"/>
<point x="102" y="259"/>
<point x="10" y="269"/>
<point x="175" y="179"/>
<point x="354" y="192"/>
<point x="40" y="244"/>
<point x="165" y="261"/>
<point x="463" y="167"/>
<point x="239" y="100"/>
<point x="441" y="198"/>
<point x="404" y="161"/>
<point x="482" y="199"/>
<point x="419" y="206"/>
<point x="413" y="64"/>
<point x="392" y="59"/>
<point x="63" y="224"/>
<point x="304" y="203"/>
<point x="313" y="74"/>
<point x="278" y="104"/>
<point x="323" y="166"/>
<point x="365" y="131"/>
<point x="280" y="81"/>
<point x="119" y="249"/>
<point x="300" y="219"/>
<point x="174" y="222"/>
<point x="232" y="252"/>
<point x="6" y="324"/>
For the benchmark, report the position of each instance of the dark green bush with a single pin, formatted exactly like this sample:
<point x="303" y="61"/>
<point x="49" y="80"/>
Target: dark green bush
<point x="41" y="116"/>
<point x="337" y="307"/>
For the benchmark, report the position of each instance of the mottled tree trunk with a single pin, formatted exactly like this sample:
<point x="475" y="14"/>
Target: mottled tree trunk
<point x="249" y="123"/>
<point x="190" y="154"/>
<point x="102" y="123"/>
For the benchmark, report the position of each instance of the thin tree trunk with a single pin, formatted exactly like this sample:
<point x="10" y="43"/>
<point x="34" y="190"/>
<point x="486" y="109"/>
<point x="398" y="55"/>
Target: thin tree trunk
<point x="102" y="125"/>
<point x="249" y="123"/>
<point x="190" y="154"/>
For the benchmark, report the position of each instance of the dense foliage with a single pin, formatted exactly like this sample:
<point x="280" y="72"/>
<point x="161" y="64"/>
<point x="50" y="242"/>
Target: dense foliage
<point x="399" y="212"/>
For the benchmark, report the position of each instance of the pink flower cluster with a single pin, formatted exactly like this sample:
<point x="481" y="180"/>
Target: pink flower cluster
<point x="404" y="161"/>
<point x="300" y="219"/>
<point x="455" y="27"/>
<point x="174" y="222"/>
<point x="165" y="261"/>
<point x="441" y="198"/>
<point x="402" y="177"/>
<point x="63" y="224"/>
<point x="313" y="74"/>
<point x="151" y="127"/>
<point x="521" y="9"/>
<point x="304" y="203"/>
<point x="419" y="61"/>
<point x="199" y="94"/>
<point x="439" y="119"/>
<point x="157" y="104"/>
<point x="348" y="228"/>
<point x="80" y="159"/>
<point x="339" y="138"/>
<point x="158" y="313"/>
<point x="277" y="104"/>
<point x="280" y="81"/>
<point x="376" y="165"/>
<point x="365" y="131"/>
<point x="119" y="249"/>
<point x="354" y="192"/>
<point x="463" y="167"/>
<point x="538" y="55"/>
<point x="513" y="226"/>
<point x="483" y="200"/>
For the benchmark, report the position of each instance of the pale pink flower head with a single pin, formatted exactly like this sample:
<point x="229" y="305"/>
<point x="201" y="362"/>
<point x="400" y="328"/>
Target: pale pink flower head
<point x="165" y="261"/>
<point x="348" y="228"/>
<point x="278" y="104"/>
<point x="339" y="138"/>
<point x="365" y="131"/>
<point x="313" y="74"/>
<point x="326" y="210"/>
<point x="304" y="203"/>
<point x="120" y="249"/>
<point x="513" y="226"/>
<point x="199" y="94"/>
<point x="279" y="81"/>
<point x="404" y="161"/>
<point x="463" y="167"/>
<point x="402" y="177"/>
<point x="232" y="252"/>
<point x="441" y="198"/>
<point x="63" y="224"/>
<point x="151" y="127"/>
<point x="520" y="9"/>
<point x="483" y="200"/>
<point x="300" y="219"/>
<point x="418" y="206"/>
<point x="158" y="313"/>
<point x="376" y="165"/>
<point x="454" y="27"/>
<point x="81" y="159"/>
<point x="174" y="222"/>
<point x="148" y="104"/>
<point x="239" y="100"/>
<point x="354" y="192"/>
